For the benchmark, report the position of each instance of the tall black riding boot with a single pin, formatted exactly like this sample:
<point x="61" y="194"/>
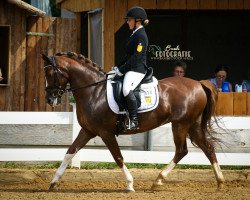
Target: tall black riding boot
<point x="132" y="109"/>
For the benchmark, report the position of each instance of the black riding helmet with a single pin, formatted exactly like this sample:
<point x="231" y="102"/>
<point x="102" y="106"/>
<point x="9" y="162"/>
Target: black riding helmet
<point x="136" y="13"/>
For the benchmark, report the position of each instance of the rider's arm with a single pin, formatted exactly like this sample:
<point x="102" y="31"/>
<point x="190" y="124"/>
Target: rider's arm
<point x="139" y="52"/>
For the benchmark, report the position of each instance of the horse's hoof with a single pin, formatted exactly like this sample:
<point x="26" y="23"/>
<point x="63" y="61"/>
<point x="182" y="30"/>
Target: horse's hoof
<point x="130" y="191"/>
<point x="156" y="187"/>
<point x="220" y="186"/>
<point x="52" y="186"/>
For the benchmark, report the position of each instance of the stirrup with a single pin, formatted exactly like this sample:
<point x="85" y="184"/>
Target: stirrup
<point x="132" y="125"/>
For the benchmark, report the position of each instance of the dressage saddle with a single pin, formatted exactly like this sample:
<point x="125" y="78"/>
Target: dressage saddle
<point x="117" y="89"/>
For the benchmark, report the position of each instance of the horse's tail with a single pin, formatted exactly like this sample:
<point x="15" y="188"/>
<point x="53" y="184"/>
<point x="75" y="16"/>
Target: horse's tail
<point x="210" y="110"/>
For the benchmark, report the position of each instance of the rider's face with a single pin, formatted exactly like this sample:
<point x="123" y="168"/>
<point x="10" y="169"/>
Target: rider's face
<point x="131" y="23"/>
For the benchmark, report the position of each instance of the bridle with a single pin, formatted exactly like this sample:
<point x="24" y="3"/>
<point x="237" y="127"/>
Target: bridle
<point x="57" y="90"/>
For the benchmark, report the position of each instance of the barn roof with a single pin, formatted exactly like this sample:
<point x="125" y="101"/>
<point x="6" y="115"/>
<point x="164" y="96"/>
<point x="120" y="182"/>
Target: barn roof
<point x="28" y="7"/>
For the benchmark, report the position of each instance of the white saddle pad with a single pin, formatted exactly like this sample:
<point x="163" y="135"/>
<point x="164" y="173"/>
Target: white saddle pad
<point x="149" y="97"/>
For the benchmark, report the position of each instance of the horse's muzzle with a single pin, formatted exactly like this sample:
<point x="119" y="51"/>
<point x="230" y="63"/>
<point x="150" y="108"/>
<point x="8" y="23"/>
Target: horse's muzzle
<point x="53" y="100"/>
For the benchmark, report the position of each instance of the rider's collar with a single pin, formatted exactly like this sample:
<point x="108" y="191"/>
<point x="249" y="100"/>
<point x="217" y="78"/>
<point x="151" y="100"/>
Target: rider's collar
<point x="137" y="29"/>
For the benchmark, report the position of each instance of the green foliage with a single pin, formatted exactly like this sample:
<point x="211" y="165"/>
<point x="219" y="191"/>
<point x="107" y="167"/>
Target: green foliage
<point x="71" y="98"/>
<point x="30" y="165"/>
<point x="95" y="165"/>
<point x="107" y="165"/>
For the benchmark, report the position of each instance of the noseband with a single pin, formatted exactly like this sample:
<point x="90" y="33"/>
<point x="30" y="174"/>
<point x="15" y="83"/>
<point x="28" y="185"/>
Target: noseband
<point x="56" y="90"/>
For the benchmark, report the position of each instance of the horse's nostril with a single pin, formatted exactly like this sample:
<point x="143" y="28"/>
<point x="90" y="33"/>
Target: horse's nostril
<point x="49" y="100"/>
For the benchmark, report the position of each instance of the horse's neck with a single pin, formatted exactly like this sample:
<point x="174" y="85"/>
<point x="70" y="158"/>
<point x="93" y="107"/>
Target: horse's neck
<point x="83" y="82"/>
<point x="84" y="77"/>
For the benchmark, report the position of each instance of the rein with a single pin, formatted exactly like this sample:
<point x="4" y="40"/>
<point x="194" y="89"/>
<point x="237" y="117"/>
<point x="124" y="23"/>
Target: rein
<point x="90" y="85"/>
<point x="56" y="79"/>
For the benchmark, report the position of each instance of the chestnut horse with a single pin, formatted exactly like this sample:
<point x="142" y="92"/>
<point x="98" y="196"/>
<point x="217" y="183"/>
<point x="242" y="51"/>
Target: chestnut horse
<point x="186" y="103"/>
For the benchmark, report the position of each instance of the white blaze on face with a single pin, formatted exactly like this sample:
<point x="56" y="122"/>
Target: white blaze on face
<point x="54" y="102"/>
<point x="46" y="82"/>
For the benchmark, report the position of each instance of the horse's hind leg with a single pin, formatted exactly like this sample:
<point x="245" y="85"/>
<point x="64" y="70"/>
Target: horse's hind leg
<point x="198" y="137"/>
<point x="81" y="140"/>
<point x="179" y="134"/>
<point x="111" y="142"/>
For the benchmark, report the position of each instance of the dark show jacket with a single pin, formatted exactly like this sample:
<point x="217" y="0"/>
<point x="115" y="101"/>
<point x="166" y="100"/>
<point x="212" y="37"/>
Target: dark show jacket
<point x="136" y="50"/>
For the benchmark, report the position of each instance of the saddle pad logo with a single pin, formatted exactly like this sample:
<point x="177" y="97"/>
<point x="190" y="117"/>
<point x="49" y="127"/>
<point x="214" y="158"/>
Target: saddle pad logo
<point x="148" y="99"/>
<point x="139" y="47"/>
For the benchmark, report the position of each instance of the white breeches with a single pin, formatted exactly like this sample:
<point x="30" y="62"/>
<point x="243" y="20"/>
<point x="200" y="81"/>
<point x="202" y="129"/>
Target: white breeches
<point x="131" y="81"/>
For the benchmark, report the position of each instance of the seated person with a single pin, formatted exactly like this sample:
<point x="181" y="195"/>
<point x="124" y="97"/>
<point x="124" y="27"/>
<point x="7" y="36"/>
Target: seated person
<point x="179" y="68"/>
<point x="221" y="72"/>
<point x="246" y="82"/>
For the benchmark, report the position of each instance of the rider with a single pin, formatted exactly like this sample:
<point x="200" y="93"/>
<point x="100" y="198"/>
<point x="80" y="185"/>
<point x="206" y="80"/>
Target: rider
<point x="134" y="65"/>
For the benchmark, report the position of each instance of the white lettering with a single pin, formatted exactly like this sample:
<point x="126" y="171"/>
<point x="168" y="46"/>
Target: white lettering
<point x="170" y="53"/>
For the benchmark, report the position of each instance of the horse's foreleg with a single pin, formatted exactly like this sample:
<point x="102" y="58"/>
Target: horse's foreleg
<point x="114" y="149"/>
<point x="179" y="133"/>
<point x="61" y="169"/>
<point x="129" y="178"/>
<point x="163" y="174"/>
<point x="81" y="140"/>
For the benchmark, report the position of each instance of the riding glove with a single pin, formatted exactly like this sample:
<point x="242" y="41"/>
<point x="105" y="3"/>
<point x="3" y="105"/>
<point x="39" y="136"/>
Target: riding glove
<point x="115" y="69"/>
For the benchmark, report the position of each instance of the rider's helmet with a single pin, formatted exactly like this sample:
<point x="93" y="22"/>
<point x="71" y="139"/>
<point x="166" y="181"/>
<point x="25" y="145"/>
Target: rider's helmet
<point x="136" y="13"/>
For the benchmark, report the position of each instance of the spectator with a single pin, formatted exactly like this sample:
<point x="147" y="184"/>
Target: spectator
<point x="246" y="82"/>
<point x="179" y="68"/>
<point x="221" y="73"/>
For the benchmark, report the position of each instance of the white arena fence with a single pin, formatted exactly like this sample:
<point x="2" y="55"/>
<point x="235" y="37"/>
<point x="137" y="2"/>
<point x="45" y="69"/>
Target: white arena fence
<point x="9" y="153"/>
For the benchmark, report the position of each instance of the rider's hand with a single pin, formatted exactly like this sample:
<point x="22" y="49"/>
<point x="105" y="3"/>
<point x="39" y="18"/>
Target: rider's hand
<point x="115" y="69"/>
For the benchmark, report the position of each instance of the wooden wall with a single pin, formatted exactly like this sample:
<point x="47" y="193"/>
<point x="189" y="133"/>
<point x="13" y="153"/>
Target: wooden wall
<point x="12" y="96"/>
<point x="82" y="5"/>
<point x="233" y="103"/>
<point x="26" y="89"/>
<point x="63" y="38"/>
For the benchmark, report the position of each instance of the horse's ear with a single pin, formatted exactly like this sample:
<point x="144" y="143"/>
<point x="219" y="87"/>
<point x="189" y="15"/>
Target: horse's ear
<point x="45" y="58"/>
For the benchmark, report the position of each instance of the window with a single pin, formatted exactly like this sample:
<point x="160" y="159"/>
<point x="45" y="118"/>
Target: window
<point x="92" y="35"/>
<point x="4" y="54"/>
<point x="95" y="23"/>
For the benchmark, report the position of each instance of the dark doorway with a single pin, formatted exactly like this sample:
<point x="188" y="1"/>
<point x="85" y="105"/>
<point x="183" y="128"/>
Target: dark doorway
<point x="5" y="54"/>
<point x="202" y="39"/>
<point x="84" y="34"/>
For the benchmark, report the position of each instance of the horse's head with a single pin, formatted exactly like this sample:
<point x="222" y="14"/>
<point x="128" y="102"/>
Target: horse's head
<point x="56" y="80"/>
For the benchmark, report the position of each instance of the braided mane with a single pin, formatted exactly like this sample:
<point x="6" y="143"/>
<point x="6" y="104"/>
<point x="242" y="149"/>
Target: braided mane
<point x="80" y="59"/>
